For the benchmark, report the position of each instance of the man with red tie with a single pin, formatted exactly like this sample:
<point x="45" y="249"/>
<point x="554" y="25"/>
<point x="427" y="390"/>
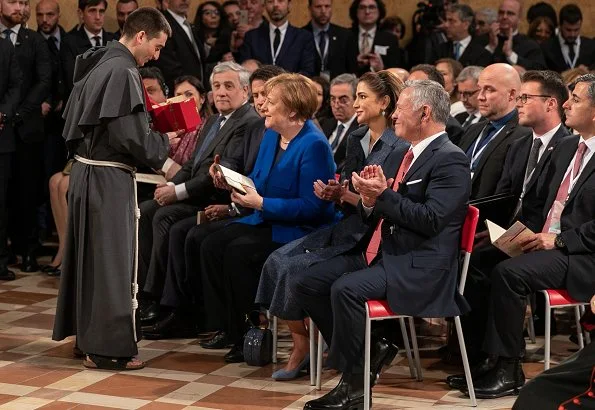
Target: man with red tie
<point x="414" y="208"/>
<point x="560" y="256"/>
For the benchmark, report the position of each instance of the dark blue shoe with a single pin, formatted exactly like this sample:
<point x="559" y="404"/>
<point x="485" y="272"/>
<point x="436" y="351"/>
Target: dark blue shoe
<point x="283" y="374"/>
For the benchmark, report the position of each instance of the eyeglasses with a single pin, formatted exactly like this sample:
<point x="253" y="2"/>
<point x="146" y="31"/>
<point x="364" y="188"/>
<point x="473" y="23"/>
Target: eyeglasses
<point x="524" y="97"/>
<point x="371" y="7"/>
<point x="465" y="95"/>
<point x="344" y="100"/>
<point x="210" y="12"/>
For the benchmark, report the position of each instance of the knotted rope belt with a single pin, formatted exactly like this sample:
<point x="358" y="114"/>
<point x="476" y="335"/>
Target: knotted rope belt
<point x="132" y="171"/>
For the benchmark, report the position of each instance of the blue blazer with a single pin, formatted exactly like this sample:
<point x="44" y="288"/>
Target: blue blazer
<point x="290" y="205"/>
<point x="297" y="54"/>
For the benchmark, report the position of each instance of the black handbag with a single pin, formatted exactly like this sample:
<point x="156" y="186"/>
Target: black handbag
<point x="258" y="342"/>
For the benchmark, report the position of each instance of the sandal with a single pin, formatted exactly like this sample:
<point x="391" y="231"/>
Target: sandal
<point x="93" y="361"/>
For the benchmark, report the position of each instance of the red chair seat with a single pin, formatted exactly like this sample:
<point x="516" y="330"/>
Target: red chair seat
<point x="560" y="297"/>
<point x="379" y="309"/>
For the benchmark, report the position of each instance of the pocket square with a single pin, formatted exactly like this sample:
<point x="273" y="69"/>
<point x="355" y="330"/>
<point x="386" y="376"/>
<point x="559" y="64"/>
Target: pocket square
<point x="417" y="181"/>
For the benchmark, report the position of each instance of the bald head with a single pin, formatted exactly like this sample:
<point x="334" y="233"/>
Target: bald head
<point x="499" y="84"/>
<point x="47" y="14"/>
<point x="399" y="72"/>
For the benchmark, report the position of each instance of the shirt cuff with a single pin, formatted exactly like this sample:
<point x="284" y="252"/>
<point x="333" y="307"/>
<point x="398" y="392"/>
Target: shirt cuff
<point x="168" y="163"/>
<point x="490" y="49"/>
<point x="181" y="192"/>
<point x="514" y="58"/>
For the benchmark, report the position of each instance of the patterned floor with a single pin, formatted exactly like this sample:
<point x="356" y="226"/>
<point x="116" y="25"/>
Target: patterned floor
<point x="36" y="372"/>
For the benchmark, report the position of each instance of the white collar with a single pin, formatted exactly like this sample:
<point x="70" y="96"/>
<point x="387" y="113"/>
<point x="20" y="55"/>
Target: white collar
<point x="464" y="42"/>
<point x="563" y="41"/>
<point x="347" y="123"/>
<point x="371" y="32"/>
<point x="178" y="17"/>
<point x="422" y="145"/>
<point x="14" y="29"/>
<point x="590" y="143"/>
<point x="56" y="34"/>
<point x="547" y="137"/>
<point x="282" y="28"/>
<point x="91" y="35"/>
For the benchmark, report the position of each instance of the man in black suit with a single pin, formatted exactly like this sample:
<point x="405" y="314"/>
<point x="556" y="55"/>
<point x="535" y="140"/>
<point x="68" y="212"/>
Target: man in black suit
<point x="560" y="255"/>
<point x="10" y="90"/>
<point x="336" y="129"/>
<point x="428" y="200"/>
<point x="507" y="45"/>
<point x="123" y="10"/>
<point x="461" y="45"/>
<point x="377" y="49"/>
<point x="468" y="90"/>
<point x="334" y="54"/>
<point x="279" y="43"/>
<point x="89" y="34"/>
<point x="33" y="59"/>
<point x="568" y="49"/>
<point x="191" y="189"/>
<point x="487" y="143"/>
<point x="183" y="53"/>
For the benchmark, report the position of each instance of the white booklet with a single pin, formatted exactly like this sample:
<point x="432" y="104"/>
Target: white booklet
<point x="155" y="179"/>
<point x="509" y="240"/>
<point x="235" y="179"/>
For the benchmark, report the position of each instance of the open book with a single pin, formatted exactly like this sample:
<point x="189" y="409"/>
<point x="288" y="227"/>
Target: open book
<point x="509" y="241"/>
<point x="235" y="179"/>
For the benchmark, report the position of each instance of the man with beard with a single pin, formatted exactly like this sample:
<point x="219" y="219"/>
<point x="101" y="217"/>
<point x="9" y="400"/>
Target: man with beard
<point x="279" y="43"/>
<point x="123" y="10"/>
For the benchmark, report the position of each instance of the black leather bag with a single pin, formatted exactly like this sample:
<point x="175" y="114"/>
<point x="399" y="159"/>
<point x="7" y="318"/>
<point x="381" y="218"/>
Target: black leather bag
<point x="258" y="342"/>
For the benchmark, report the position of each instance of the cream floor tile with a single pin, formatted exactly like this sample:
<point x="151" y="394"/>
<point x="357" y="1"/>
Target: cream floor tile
<point x="175" y="398"/>
<point x="252" y="384"/>
<point x="80" y="380"/>
<point x="166" y="374"/>
<point x="235" y="370"/>
<point x="10" y="306"/>
<point x="104" y="400"/>
<point x="36" y="347"/>
<point x="148" y="354"/>
<point x="199" y="350"/>
<point x="16" y="389"/>
<point x="192" y="391"/>
<point x="25" y="403"/>
<point x="8" y="317"/>
<point x="7" y="329"/>
<point x="35" y="289"/>
<point x="51" y="311"/>
<point x="5" y="363"/>
<point x="50" y="303"/>
<point x="55" y="362"/>
<point x="284" y="387"/>
<point x="197" y="408"/>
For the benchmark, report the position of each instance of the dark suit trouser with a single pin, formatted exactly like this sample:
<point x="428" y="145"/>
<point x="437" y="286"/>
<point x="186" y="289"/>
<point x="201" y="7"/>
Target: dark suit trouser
<point x="183" y="284"/>
<point x="333" y="294"/>
<point x="232" y="260"/>
<point x="5" y="171"/>
<point x="511" y="282"/>
<point x="155" y="224"/>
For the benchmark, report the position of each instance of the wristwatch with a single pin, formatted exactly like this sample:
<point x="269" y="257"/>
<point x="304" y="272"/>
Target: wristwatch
<point x="231" y="211"/>
<point x="559" y="242"/>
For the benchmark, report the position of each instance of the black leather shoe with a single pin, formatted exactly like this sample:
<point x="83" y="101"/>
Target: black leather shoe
<point x="236" y="354"/>
<point x="150" y="314"/>
<point x="505" y="379"/>
<point x="458" y="381"/>
<point x="6" y="274"/>
<point x="29" y="264"/>
<point x="54" y="272"/>
<point x="219" y="341"/>
<point x="383" y="353"/>
<point x="347" y="395"/>
<point x="173" y="326"/>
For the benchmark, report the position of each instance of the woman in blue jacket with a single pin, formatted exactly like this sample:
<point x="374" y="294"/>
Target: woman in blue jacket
<point x="293" y="154"/>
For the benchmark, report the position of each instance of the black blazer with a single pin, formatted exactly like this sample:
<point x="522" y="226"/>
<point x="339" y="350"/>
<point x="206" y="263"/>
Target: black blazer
<point x="577" y="219"/>
<point x="297" y="52"/>
<point x="178" y="57"/>
<point x="73" y="44"/>
<point x="528" y="50"/>
<point x="555" y="59"/>
<point x="454" y="130"/>
<point x="392" y="58"/>
<point x="10" y="93"/>
<point x="475" y="53"/>
<point x="421" y="232"/>
<point x="57" y="89"/>
<point x="342" y="58"/>
<point x="243" y="157"/>
<point x="490" y="166"/>
<point x="199" y="183"/>
<point x="328" y="126"/>
<point x="34" y="61"/>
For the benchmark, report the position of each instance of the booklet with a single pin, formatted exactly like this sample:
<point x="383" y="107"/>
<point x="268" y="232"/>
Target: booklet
<point x="151" y="179"/>
<point x="235" y="179"/>
<point x="509" y="241"/>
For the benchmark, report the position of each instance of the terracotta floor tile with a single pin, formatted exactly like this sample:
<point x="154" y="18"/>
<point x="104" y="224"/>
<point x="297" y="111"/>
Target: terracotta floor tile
<point x="10" y="342"/>
<point x="12" y="357"/>
<point x="5" y="398"/>
<point x="37" y="321"/>
<point x="50" y="394"/>
<point x="63" y="350"/>
<point x="163" y="345"/>
<point x="220" y="380"/>
<point x="34" y="309"/>
<point x="58" y="405"/>
<point x="23" y="298"/>
<point x="31" y="375"/>
<point x="162" y="406"/>
<point x="198" y="363"/>
<point x="146" y="388"/>
<point x="227" y="399"/>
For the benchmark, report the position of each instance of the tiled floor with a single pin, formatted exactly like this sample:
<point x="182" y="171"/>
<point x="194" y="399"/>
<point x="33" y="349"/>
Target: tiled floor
<point x="36" y="372"/>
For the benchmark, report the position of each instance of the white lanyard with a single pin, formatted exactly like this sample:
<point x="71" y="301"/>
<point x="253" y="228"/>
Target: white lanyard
<point x="322" y="55"/>
<point x="566" y="56"/>
<point x="275" y="55"/>
<point x="476" y="155"/>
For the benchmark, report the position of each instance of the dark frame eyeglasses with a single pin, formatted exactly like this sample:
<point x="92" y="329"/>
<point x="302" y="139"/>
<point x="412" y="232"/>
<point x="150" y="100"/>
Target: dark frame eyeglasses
<point x="524" y="97"/>
<point x="465" y="95"/>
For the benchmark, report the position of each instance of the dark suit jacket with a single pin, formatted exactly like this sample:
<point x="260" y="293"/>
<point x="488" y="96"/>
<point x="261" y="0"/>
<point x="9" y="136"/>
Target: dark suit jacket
<point x="454" y="130"/>
<point x="577" y="220"/>
<point x="53" y="121"/>
<point x="490" y="166"/>
<point x="178" y="57"/>
<point x="393" y="56"/>
<point x="243" y="157"/>
<point x="199" y="183"/>
<point x="73" y="44"/>
<point x="342" y="58"/>
<point x="475" y="53"/>
<point x="529" y="52"/>
<point x="297" y="52"/>
<point x="421" y="232"/>
<point x="555" y="59"/>
<point x="34" y="61"/>
<point x="10" y="93"/>
<point x="328" y="126"/>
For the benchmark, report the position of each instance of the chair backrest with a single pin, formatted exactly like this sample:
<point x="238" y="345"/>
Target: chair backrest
<point x="467" y="239"/>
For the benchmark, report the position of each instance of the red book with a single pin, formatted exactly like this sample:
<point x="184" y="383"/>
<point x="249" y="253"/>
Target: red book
<point x="177" y="113"/>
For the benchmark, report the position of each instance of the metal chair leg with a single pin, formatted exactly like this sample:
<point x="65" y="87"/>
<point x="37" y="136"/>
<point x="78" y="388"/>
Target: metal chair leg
<point x="312" y="353"/>
<point x="548" y="334"/>
<point x="530" y="323"/>
<point x="415" y="349"/>
<point x="586" y="332"/>
<point x="275" y="336"/>
<point x="579" y="331"/>
<point x="367" y="358"/>
<point x="407" y="348"/>
<point x="319" y="361"/>
<point x="465" y="360"/>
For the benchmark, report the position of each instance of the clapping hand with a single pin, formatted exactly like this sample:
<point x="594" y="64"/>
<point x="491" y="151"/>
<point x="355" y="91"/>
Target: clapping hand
<point x="329" y="192"/>
<point x="370" y="183"/>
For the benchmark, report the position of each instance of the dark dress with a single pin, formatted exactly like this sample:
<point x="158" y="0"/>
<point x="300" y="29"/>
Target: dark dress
<point x="106" y="120"/>
<point x="273" y="291"/>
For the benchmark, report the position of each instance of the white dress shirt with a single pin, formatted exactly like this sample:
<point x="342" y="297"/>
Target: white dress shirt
<point x="13" y="34"/>
<point x="341" y="137"/>
<point x="91" y="35"/>
<point x="372" y="35"/>
<point x="464" y="43"/>
<point x="566" y="50"/>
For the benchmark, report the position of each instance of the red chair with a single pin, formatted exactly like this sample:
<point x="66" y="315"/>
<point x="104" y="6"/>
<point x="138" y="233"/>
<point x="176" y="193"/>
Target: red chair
<point x="557" y="298"/>
<point x="379" y="310"/>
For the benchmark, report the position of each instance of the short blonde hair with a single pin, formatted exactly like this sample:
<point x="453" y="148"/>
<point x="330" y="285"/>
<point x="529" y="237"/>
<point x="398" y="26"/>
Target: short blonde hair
<point x="298" y="94"/>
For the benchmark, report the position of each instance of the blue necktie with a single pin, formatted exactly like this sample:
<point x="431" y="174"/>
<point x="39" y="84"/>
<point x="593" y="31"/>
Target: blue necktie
<point x="457" y="50"/>
<point x="335" y="143"/>
<point x="486" y="136"/>
<point x="207" y="140"/>
<point x="7" y="33"/>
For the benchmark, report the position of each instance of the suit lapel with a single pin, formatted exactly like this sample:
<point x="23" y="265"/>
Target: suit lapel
<point x="287" y="42"/>
<point x="561" y="133"/>
<point x="587" y="171"/>
<point x="425" y="156"/>
<point x="566" y="155"/>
